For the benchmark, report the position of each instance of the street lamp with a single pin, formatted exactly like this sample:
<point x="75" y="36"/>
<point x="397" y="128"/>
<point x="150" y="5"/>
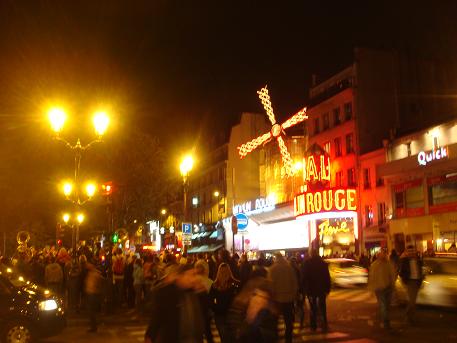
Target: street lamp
<point x="164" y="211"/>
<point x="66" y="218"/>
<point x="185" y="167"/>
<point x="72" y="190"/>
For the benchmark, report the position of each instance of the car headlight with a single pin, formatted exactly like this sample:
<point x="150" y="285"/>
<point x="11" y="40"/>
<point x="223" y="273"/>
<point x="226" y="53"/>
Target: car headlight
<point x="48" y="305"/>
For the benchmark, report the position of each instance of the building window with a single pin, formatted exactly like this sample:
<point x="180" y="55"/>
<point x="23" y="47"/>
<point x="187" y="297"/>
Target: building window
<point x="379" y="182"/>
<point x="366" y="178"/>
<point x="317" y="128"/>
<point x="443" y="192"/>
<point x="436" y="143"/>
<point x="336" y="116"/>
<point x="339" y="179"/>
<point x="350" y="143"/>
<point x="327" y="147"/>
<point x="351" y="177"/>
<point x="368" y="215"/>
<point x="325" y="121"/>
<point x="348" y="111"/>
<point x="338" y="150"/>
<point x="408" y="149"/>
<point x="409" y="199"/>
<point x="381" y="212"/>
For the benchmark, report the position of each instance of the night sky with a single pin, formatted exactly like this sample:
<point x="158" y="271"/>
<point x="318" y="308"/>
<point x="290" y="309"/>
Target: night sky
<point x="185" y="70"/>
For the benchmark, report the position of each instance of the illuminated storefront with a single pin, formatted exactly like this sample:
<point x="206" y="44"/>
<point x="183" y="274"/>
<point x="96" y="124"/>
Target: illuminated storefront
<point x="270" y="227"/>
<point x="329" y="213"/>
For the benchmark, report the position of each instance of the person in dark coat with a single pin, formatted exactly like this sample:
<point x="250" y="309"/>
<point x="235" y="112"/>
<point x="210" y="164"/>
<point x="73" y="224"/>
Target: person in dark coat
<point x="317" y="287"/>
<point x="245" y="269"/>
<point x="176" y="313"/>
<point x="411" y="275"/>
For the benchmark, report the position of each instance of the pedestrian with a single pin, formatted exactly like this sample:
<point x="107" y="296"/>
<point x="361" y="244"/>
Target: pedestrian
<point x="202" y="271"/>
<point x="411" y="277"/>
<point x="381" y="281"/>
<point x="395" y="259"/>
<point x="118" y="265"/>
<point x="53" y="275"/>
<point x="128" y="281"/>
<point x="176" y="315"/>
<point x="285" y="291"/>
<point x="138" y="282"/>
<point x="93" y="285"/>
<point x="245" y="269"/>
<point x="253" y="315"/>
<point x="222" y="293"/>
<point x="317" y="287"/>
<point x="452" y="248"/>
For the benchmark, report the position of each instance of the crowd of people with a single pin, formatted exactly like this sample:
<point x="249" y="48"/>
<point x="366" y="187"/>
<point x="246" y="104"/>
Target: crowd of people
<point x="183" y="294"/>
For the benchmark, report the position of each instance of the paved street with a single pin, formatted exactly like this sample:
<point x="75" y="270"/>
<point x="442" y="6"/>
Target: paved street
<point x="352" y="318"/>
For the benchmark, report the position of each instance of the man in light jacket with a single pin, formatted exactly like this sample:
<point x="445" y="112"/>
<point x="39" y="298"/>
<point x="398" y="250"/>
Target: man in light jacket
<point x="285" y="290"/>
<point x="381" y="281"/>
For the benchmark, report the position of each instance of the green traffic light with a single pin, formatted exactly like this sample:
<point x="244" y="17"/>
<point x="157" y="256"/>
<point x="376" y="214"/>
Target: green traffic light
<point x="115" y="238"/>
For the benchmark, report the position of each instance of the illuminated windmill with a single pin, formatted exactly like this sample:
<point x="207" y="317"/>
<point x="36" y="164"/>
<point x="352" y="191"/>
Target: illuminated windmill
<point x="277" y="131"/>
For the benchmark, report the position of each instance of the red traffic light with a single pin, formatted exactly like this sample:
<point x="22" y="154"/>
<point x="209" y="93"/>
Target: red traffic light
<point x="107" y="188"/>
<point x="59" y="242"/>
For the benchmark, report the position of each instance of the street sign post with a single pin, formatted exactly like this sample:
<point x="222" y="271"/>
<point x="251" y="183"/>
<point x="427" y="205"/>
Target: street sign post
<point x="242" y="222"/>
<point x="186" y="233"/>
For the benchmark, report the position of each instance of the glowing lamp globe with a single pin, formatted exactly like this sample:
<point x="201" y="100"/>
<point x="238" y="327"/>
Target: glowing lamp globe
<point x="186" y="165"/>
<point x="57" y="119"/>
<point x="101" y="122"/>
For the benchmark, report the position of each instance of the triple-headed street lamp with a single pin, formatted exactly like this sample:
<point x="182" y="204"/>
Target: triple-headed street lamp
<point x="72" y="190"/>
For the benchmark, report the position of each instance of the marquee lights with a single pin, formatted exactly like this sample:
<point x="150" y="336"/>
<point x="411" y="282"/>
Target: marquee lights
<point x="277" y="131"/>
<point x="423" y="158"/>
<point x="315" y="174"/>
<point x="333" y="199"/>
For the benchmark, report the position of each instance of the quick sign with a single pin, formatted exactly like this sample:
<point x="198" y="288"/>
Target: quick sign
<point x="333" y="199"/>
<point x="425" y="157"/>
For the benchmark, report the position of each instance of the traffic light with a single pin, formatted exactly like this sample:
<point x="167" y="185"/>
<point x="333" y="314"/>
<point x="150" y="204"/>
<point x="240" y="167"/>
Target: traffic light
<point x="107" y="188"/>
<point x="115" y="238"/>
<point x="59" y="242"/>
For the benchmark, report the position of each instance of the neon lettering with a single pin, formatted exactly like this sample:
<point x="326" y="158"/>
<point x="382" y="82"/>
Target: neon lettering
<point x="424" y="157"/>
<point x="311" y="170"/>
<point x="328" y="200"/>
<point x="326" y="229"/>
<point x="352" y="206"/>
<point x="325" y="168"/>
<point x="340" y="202"/>
<point x="335" y="199"/>
<point x="317" y="201"/>
<point x="309" y="203"/>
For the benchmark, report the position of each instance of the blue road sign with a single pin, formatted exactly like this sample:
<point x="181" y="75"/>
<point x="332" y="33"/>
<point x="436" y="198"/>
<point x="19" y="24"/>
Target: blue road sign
<point x="187" y="228"/>
<point x="242" y="221"/>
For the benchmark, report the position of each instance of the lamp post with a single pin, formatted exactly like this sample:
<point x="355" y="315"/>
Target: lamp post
<point x="72" y="189"/>
<point x="77" y="221"/>
<point x="185" y="167"/>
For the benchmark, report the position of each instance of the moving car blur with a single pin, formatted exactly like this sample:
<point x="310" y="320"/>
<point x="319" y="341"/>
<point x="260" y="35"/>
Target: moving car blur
<point x="439" y="287"/>
<point x="346" y="272"/>
<point x="27" y="311"/>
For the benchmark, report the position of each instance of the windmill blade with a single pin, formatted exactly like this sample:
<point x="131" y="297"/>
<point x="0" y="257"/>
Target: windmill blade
<point x="246" y="148"/>
<point x="265" y="98"/>
<point x="286" y="159"/>
<point x="295" y="119"/>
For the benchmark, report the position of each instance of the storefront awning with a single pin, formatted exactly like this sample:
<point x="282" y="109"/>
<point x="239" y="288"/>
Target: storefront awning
<point x="282" y="212"/>
<point x="204" y="248"/>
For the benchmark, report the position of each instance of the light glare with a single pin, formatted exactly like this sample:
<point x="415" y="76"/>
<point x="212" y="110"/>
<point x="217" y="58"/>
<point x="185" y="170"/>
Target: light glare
<point x="101" y="121"/>
<point x="90" y="190"/>
<point x="186" y="165"/>
<point x="57" y="119"/>
<point x="80" y="218"/>
<point x="67" y="188"/>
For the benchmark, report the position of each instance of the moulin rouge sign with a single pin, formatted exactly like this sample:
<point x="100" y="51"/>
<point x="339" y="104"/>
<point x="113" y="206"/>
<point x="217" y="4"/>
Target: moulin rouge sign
<point x="318" y="196"/>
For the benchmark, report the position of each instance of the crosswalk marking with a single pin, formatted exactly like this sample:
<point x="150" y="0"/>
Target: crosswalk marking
<point x="324" y="336"/>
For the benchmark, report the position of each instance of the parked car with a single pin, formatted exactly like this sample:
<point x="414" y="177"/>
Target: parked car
<point x="346" y="272"/>
<point x="439" y="287"/>
<point x="27" y="311"/>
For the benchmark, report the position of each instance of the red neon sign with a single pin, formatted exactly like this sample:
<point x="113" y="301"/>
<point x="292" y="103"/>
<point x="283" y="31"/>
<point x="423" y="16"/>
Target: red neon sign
<point x="333" y="199"/>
